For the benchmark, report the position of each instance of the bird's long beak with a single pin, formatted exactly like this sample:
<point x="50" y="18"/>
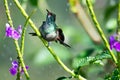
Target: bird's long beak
<point x="48" y="11"/>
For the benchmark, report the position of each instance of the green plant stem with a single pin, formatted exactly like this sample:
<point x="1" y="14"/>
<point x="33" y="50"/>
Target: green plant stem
<point x="100" y="30"/>
<point x="118" y="33"/>
<point x="63" y="65"/>
<point x="45" y="43"/>
<point x="21" y="59"/>
<point x="19" y="70"/>
<point x="118" y="20"/>
<point x="23" y="33"/>
<point x="16" y="42"/>
<point x="26" y="16"/>
<point x="8" y="13"/>
<point x="23" y="38"/>
<point x="11" y="24"/>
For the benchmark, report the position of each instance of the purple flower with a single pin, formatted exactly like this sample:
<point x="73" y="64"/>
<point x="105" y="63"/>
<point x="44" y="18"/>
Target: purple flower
<point x="13" y="71"/>
<point x="22" y="71"/>
<point x="8" y="30"/>
<point x="12" y="33"/>
<point x="117" y="46"/>
<point x="16" y="35"/>
<point x="114" y="43"/>
<point x="15" y="64"/>
<point x="19" y="29"/>
<point x="14" y="68"/>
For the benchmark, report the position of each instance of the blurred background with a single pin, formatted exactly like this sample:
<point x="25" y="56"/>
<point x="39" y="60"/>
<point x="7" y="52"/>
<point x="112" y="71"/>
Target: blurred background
<point x="42" y="64"/>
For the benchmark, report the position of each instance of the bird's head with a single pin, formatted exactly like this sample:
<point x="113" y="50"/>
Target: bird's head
<point x="51" y="17"/>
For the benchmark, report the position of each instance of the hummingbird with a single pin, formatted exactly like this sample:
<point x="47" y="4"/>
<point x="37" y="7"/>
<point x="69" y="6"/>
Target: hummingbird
<point x="50" y="31"/>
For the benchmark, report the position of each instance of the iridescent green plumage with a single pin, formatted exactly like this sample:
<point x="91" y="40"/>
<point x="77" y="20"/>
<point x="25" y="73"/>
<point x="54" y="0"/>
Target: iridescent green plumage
<point x="48" y="31"/>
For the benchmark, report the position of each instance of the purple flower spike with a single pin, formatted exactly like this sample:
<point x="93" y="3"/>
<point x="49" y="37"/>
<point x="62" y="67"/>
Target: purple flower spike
<point x="14" y="68"/>
<point x="12" y="33"/>
<point x="114" y="43"/>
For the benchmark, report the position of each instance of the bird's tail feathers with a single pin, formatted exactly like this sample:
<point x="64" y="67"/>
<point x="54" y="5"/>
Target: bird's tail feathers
<point x="66" y="45"/>
<point x="33" y="34"/>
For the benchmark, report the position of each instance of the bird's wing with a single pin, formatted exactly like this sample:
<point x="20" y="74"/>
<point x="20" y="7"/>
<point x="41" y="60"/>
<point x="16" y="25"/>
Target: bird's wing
<point x="60" y="35"/>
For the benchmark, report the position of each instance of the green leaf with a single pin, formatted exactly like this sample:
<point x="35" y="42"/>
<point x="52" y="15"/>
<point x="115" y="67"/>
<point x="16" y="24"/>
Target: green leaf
<point x="111" y="24"/>
<point x="79" y="62"/>
<point x="113" y="76"/>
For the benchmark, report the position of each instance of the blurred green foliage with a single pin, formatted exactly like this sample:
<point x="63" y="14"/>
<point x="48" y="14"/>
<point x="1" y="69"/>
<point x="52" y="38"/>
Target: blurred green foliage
<point x="113" y="76"/>
<point x="42" y="64"/>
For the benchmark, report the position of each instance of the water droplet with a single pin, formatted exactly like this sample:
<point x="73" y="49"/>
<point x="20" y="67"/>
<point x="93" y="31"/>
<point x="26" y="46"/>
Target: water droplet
<point x="10" y="4"/>
<point x="68" y="5"/>
<point x="10" y="58"/>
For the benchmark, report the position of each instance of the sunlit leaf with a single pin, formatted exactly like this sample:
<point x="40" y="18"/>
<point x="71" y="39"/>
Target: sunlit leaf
<point x="78" y="62"/>
<point x="111" y="24"/>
